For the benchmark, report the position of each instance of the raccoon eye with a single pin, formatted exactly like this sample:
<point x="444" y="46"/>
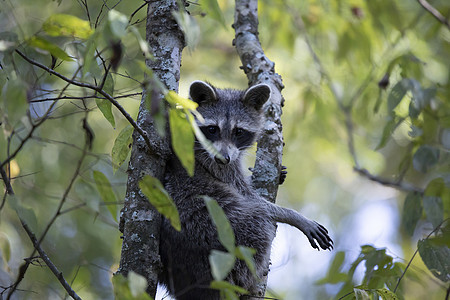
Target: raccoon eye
<point x="239" y="131"/>
<point x="213" y="129"/>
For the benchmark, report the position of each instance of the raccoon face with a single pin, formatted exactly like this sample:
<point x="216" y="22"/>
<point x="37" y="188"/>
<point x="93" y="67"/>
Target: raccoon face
<point x="233" y="118"/>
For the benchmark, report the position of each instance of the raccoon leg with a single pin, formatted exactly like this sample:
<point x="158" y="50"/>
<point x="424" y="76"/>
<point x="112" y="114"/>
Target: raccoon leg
<point x="313" y="230"/>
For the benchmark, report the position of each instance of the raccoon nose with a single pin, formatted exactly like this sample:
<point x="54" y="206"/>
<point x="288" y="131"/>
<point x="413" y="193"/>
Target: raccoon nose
<point x="224" y="161"/>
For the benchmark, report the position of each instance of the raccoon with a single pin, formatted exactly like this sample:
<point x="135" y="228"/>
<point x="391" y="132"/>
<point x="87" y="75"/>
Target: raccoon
<point x="233" y="120"/>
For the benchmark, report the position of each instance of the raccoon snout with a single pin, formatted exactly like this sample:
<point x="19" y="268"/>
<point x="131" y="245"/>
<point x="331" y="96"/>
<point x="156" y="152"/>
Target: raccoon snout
<point x="223" y="161"/>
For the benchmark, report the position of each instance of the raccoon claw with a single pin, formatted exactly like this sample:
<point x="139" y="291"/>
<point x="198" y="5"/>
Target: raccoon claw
<point x="318" y="233"/>
<point x="283" y="175"/>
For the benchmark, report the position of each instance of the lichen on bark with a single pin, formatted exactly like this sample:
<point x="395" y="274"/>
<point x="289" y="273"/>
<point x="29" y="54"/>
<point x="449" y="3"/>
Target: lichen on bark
<point x="260" y="69"/>
<point x="139" y="221"/>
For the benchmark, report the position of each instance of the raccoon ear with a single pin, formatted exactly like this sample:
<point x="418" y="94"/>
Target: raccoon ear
<point x="256" y="96"/>
<point x="202" y="92"/>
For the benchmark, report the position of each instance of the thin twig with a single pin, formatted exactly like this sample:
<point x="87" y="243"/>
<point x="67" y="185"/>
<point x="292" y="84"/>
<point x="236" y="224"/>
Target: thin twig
<point x="383" y="181"/>
<point x="434" y="12"/>
<point x="136" y="11"/>
<point x="9" y="189"/>
<point x="83" y="97"/>
<point x="58" y="274"/>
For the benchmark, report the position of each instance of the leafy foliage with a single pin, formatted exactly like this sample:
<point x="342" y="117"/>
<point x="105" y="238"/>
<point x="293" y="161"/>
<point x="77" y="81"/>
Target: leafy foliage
<point x="367" y="87"/>
<point x="435" y="258"/>
<point x="223" y="262"/>
<point x="380" y="278"/>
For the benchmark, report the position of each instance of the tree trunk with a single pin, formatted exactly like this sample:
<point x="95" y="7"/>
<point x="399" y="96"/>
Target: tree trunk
<point x="259" y="69"/>
<point x="139" y="221"/>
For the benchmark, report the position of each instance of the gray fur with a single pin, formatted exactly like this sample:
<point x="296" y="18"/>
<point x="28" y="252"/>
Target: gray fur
<point x="186" y="270"/>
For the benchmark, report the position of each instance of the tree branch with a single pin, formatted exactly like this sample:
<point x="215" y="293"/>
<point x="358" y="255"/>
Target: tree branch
<point x="58" y="274"/>
<point x="260" y="69"/>
<point x="139" y="221"/>
<point x="383" y="181"/>
<point x="9" y="189"/>
<point x="434" y="12"/>
<point x="82" y="97"/>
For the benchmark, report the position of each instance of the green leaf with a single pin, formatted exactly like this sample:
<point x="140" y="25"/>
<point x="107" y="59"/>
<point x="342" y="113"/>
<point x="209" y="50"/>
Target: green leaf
<point x="43" y="44"/>
<point x="121" y="147"/>
<point x="389" y="128"/>
<point x="344" y="291"/>
<point x="142" y="43"/>
<point x="160" y="199"/>
<point x="88" y="193"/>
<point x="412" y="212"/>
<point x="425" y="157"/>
<point x="121" y="288"/>
<point x="137" y="284"/>
<point x="436" y="258"/>
<point x="67" y="25"/>
<point x="442" y="239"/>
<point x="8" y="40"/>
<point x="337" y="262"/>
<point x="118" y="23"/>
<point x="361" y="294"/>
<point x="106" y="192"/>
<point x="190" y="28"/>
<point x="109" y="85"/>
<point x="131" y="288"/>
<point x="413" y="111"/>
<point x="397" y="93"/>
<point x="221" y="264"/>
<point x="25" y="214"/>
<point x="105" y="105"/>
<point x="220" y="220"/>
<point x="437" y="188"/>
<point x="386" y="294"/>
<point x="420" y="97"/>
<point x="182" y="139"/>
<point x="174" y="99"/>
<point x="223" y="285"/>
<point x="89" y="54"/>
<point x="246" y="254"/>
<point x="5" y="246"/>
<point x="13" y="110"/>
<point x="434" y="210"/>
<point x="213" y="10"/>
<point x="206" y="144"/>
<point x="334" y="274"/>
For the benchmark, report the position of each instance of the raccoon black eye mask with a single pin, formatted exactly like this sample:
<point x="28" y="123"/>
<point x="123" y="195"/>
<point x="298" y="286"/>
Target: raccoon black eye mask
<point x="232" y="122"/>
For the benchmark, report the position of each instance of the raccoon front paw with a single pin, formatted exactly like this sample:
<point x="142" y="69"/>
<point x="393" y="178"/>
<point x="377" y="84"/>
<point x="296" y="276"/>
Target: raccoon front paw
<point x="316" y="232"/>
<point x="283" y="175"/>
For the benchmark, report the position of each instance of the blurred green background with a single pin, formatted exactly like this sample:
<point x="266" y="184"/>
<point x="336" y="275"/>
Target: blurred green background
<point x="357" y="43"/>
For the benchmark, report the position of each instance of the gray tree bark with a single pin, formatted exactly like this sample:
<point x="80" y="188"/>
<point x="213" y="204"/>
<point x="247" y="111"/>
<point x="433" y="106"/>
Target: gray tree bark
<point x="139" y="221"/>
<point x="259" y="69"/>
